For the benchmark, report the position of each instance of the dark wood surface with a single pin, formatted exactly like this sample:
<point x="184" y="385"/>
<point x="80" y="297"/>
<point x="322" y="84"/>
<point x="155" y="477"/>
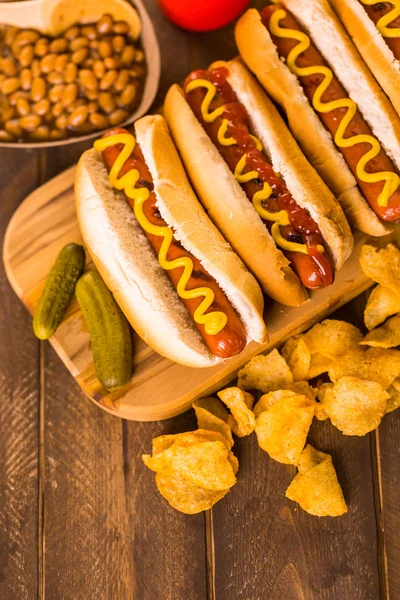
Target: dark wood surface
<point x="80" y="518"/>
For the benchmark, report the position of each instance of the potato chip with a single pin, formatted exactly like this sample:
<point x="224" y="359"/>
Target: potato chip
<point x="304" y="389"/>
<point x="282" y="429"/>
<point x="205" y="464"/>
<point x="316" y="487"/>
<point x="393" y="400"/>
<point x="208" y="420"/>
<point x="265" y="373"/>
<point x="385" y="336"/>
<point x="355" y="406"/>
<point x="382" y="303"/>
<point x="374" y="364"/>
<point x="332" y="338"/>
<point x="297" y="356"/>
<point x="267" y="400"/>
<point x="242" y="420"/>
<point x="185" y="496"/>
<point x="319" y="410"/>
<point x="396" y="383"/>
<point x="214" y="406"/>
<point x="383" y="266"/>
<point x="319" y="364"/>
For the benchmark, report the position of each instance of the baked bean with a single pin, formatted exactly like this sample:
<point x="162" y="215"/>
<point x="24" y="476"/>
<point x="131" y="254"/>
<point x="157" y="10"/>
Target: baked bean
<point x="58" y="45"/>
<point x="26" y="56"/>
<point x="57" y="109"/>
<point x="88" y="63"/>
<point x="85" y="128"/>
<point x="118" y="43"/>
<point x="55" y="77"/>
<point x="79" y="42"/>
<point x="56" y="92"/>
<point x="128" y="55"/>
<point x="118" y="116"/>
<point x="139" y="56"/>
<point x="94" y="44"/>
<point x="26" y="36"/>
<point x="98" y="120"/>
<point x="8" y="67"/>
<point x="122" y="80"/>
<point x="88" y="79"/>
<point x="93" y="107"/>
<point x="91" y="94"/>
<point x="107" y="102"/>
<point x="120" y="27"/>
<point x="5" y="136"/>
<point x="47" y="63"/>
<point x="38" y="90"/>
<point x="16" y="95"/>
<point x="2" y="78"/>
<point x="71" y="72"/>
<point x="136" y="72"/>
<point x="108" y="80"/>
<point x="23" y="107"/>
<point x="48" y="117"/>
<point x="111" y="62"/>
<point x="13" y="128"/>
<point x="42" y="107"/>
<point x="41" y="133"/>
<point x="89" y="31"/>
<point x="79" y="102"/>
<point x="35" y="68"/>
<point x="61" y="62"/>
<point x="26" y="79"/>
<point x="10" y="85"/>
<point x="105" y="49"/>
<point x="72" y="33"/>
<point x="79" y="55"/>
<point x="78" y="117"/>
<point x="10" y="35"/>
<point x="41" y="47"/>
<point x="57" y="134"/>
<point x="99" y="69"/>
<point x="105" y="24"/>
<point x="30" y="122"/>
<point x="128" y="95"/>
<point x="69" y="95"/>
<point x="62" y="121"/>
<point x="7" y="113"/>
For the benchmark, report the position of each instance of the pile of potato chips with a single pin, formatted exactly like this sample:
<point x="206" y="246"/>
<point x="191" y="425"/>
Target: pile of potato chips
<point x="196" y="469"/>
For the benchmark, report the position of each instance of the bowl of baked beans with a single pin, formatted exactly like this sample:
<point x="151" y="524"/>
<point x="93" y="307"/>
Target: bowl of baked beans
<point x="88" y="74"/>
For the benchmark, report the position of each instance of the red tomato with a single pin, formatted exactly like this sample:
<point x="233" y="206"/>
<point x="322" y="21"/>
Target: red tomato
<point x="202" y="15"/>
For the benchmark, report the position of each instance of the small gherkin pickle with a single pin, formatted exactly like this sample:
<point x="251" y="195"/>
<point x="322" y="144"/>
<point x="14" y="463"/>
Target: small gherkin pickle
<point x="58" y="290"/>
<point x="109" y="331"/>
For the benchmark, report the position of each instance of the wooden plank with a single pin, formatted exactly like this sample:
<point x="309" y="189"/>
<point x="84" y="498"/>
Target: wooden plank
<point x="19" y="408"/>
<point x="47" y="221"/>
<point x="108" y="532"/>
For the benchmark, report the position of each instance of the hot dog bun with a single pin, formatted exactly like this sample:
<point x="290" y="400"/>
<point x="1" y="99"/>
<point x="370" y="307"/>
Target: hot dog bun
<point x="259" y="53"/>
<point x="130" y="268"/>
<point x="227" y="203"/>
<point x="372" y="46"/>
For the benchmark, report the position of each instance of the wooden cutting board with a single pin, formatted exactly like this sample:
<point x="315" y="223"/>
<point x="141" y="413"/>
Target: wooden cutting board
<point x="159" y="388"/>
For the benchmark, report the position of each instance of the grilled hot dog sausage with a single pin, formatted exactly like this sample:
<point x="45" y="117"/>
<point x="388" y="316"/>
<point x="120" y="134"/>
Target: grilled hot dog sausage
<point x="375" y="12"/>
<point x="314" y="268"/>
<point x="231" y="340"/>
<point x="332" y="119"/>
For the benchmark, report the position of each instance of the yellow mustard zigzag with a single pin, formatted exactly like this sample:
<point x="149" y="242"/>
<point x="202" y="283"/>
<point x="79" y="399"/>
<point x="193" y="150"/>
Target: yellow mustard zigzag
<point x="382" y="24"/>
<point x="215" y="321"/>
<point x="281" y="217"/>
<point x="392" y="180"/>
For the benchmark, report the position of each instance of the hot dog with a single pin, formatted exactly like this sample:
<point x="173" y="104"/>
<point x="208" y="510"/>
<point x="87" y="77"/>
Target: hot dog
<point x="375" y="29"/>
<point x="193" y="304"/>
<point x="332" y="119"/>
<point x="337" y="112"/>
<point x="232" y="338"/>
<point x="210" y="103"/>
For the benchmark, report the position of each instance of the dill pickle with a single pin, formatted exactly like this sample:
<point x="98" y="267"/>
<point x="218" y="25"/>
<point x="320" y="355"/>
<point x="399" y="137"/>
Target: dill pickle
<point x="109" y="331"/>
<point x="58" y="290"/>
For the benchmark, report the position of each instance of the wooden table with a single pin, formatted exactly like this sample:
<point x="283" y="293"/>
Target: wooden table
<point x="80" y="517"/>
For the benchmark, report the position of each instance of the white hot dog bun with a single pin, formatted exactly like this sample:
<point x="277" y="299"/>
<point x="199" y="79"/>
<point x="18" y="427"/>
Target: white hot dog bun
<point x="320" y="22"/>
<point x="227" y="203"/>
<point x="130" y="267"/>
<point x="372" y="46"/>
